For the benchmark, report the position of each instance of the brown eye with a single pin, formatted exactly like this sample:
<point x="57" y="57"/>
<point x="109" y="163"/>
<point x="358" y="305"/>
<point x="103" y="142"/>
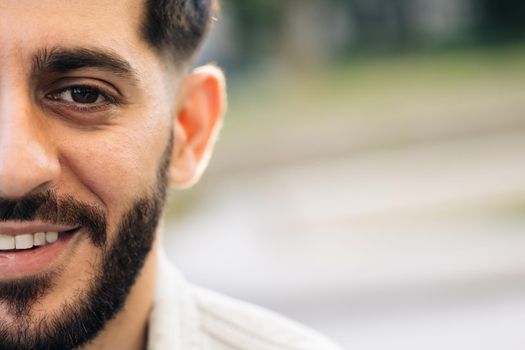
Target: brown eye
<point x="85" y="95"/>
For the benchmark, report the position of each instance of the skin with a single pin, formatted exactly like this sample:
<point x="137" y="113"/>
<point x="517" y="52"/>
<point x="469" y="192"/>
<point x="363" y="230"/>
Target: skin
<point x="107" y="155"/>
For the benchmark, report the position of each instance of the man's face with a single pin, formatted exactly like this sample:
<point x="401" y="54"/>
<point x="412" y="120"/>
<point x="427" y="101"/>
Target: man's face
<point x="86" y="115"/>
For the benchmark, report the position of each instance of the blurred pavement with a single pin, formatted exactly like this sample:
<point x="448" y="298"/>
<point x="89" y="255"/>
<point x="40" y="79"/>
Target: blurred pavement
<point x="418" y="246"/>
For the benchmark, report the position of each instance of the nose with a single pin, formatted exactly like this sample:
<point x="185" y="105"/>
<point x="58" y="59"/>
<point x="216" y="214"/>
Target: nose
<point x="27" y="160"/>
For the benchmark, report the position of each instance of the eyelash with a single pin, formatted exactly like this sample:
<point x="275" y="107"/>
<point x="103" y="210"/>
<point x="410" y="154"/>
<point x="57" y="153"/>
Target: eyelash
<point x="109" y="99"/>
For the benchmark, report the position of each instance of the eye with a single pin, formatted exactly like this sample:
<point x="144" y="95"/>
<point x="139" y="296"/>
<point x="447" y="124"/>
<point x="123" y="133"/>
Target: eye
<point x="80" y="100"/>
<point x="79" y="94"/>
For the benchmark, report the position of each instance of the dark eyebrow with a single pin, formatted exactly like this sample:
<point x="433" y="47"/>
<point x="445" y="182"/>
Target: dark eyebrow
<point x="63" y="60"/>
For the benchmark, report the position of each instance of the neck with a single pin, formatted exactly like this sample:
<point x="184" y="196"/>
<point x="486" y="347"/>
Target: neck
<point x="128" y="330"/>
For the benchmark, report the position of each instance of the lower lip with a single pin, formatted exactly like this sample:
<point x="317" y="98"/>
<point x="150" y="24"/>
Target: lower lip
<point x="24" y="263"/>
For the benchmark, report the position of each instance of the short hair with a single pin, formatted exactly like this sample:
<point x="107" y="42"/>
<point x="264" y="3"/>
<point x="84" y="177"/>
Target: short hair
<point x="177" y="28"/>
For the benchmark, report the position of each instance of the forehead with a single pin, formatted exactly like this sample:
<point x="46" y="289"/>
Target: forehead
<point x="27" y="26"/>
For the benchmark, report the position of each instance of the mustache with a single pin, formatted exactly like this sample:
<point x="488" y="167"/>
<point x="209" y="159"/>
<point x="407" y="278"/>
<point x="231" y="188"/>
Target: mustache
<point x="48" y="207"/>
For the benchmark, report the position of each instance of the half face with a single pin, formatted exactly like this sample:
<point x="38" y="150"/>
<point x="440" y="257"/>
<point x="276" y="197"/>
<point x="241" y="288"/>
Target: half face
<point x="86" y="117"/>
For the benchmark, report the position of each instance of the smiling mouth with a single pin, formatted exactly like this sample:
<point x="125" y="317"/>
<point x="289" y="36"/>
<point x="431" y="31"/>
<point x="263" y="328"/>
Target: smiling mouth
<point x="10" y="243"/>
<point x="27" y="249"/>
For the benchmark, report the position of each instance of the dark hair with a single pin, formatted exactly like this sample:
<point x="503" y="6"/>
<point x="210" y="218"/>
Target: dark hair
<point x="176" y="28"/>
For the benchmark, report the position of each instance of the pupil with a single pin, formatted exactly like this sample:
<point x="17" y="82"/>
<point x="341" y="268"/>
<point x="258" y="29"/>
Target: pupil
<point x="82" y="94"/>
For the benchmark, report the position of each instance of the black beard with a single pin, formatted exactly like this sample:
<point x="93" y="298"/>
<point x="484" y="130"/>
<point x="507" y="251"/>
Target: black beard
<point x="83" y="317"/>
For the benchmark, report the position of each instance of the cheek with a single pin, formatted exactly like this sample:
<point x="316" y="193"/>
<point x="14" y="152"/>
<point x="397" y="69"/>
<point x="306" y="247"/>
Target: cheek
<point x="116" y="166"/>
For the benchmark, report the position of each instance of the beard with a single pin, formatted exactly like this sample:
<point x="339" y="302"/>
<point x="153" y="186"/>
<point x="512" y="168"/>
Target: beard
<point x="83" y="316"/>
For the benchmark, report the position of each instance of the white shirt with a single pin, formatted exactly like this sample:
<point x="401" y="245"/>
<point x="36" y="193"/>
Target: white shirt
<point x="185" y="317"/>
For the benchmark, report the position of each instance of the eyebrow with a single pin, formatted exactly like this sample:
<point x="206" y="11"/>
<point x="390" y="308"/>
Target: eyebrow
<point x="63" y="60"/>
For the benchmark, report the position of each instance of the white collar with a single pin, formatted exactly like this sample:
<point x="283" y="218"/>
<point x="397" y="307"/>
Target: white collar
<point x="174" y="321"/>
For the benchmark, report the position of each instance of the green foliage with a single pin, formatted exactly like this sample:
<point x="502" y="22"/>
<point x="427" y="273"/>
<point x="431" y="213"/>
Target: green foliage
<point x="378" y="26"/>
<point x="260" y="20"/>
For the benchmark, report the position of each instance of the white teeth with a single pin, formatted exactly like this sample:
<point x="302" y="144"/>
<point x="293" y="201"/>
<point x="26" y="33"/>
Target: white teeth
<point x="51" y="237"/>
<point x="24" y="241"/>
<point x="7" y="242"/>
<point x="39" y="238"/>
<point x="27" y="240"/>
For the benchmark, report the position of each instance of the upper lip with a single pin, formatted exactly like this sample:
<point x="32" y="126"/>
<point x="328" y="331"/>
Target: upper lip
<point x="18" y="228"/>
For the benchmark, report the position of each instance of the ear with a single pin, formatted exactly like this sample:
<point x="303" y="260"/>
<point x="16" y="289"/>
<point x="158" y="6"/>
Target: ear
<point x="198" y="119"/>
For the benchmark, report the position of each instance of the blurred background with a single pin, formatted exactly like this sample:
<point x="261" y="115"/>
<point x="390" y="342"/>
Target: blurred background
<point x="369" y="180"/>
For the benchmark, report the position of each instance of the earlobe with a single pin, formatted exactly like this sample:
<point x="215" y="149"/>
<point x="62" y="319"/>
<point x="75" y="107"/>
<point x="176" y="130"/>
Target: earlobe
<point x="202" y="103"/>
